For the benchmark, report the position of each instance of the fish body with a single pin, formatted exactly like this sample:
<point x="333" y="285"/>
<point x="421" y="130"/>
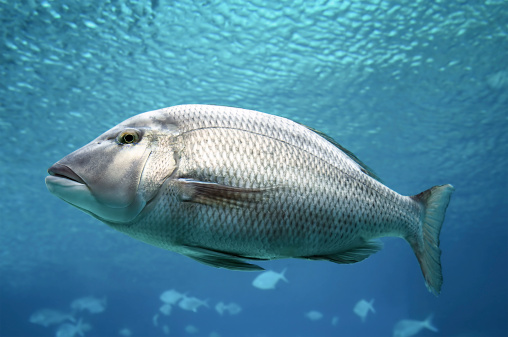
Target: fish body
<point x="410" y="327"/>
<point x="314" y="315"/>
<point x="221" y="185"/>
<point x="191" y="329"/>
<point x="192" y="303"/>
<point x="363" y="307"/>
<point x="72" y="330"/>
<point x="268" y="279"/>
<point x="91" y="304"/>
<point x="166" y="309"/>
<point x="47" y="317"/>
<point x="126" y="332"/>
<point x="220" y="307"/>
<point x="165" y="329"/>
<point x="232" y="308"/>
<point x="171" y="296"/>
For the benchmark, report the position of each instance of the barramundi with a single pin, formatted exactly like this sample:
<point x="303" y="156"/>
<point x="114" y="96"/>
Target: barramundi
<point x="226" y="186"/>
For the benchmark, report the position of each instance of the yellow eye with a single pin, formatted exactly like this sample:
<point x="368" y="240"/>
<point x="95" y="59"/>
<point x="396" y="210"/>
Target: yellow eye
<point x="128" y="137"/>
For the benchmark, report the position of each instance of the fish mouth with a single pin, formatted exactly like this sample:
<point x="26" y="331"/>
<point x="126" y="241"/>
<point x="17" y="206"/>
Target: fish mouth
<point x="64" y="172"/>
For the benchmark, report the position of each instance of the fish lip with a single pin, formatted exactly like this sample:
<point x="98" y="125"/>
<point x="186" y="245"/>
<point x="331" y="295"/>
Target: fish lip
<point x="65" y="172"/>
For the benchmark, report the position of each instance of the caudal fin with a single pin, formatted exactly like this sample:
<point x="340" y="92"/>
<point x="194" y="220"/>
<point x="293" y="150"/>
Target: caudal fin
<point x="426" y="245"/>
<point x="283" y="276"/>
<point x="428" y="323"/>
<point x="371" y="306"/>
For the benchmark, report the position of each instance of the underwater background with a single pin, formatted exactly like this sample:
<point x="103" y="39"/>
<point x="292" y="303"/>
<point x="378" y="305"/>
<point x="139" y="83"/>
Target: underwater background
<point x="418" y="90"/>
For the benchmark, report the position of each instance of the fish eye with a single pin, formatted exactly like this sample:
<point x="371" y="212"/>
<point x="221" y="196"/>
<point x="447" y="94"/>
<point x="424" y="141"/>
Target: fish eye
<point x="128" y="136"/>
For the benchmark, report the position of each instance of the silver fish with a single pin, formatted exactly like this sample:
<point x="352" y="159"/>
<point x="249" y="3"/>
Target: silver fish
<point x="221" y="185"/>
<point x="410" y="327"/>
<point x="47" y="317"/>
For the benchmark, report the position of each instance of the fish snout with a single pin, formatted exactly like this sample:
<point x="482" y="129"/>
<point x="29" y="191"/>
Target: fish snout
<point x="64" y="172"/>
<point x="101" y="179"/>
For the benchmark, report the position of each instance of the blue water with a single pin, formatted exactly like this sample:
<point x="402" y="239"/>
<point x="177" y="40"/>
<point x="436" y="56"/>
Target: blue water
<point x="417" y="89"/>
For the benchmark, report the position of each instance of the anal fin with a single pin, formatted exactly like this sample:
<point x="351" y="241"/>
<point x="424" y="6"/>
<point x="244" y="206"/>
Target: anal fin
<point x="353" y="255"/>
<point x="220" y="259"/>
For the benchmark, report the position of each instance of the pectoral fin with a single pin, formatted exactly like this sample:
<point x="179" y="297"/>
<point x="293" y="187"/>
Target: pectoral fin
<point x="220" y="259"/>
<point x="217" y="194"/>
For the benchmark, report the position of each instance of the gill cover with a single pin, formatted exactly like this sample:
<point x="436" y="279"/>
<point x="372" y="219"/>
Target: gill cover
<point x="106" y="177"/>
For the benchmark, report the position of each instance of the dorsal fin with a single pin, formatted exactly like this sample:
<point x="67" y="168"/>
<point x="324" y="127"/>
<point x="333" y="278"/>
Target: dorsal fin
<point x="364" y="168"/>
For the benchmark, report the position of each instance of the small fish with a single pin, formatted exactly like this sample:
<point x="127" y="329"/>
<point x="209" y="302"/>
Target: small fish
<point x="191" y="303"/>
<point x="92" y="304"/>
<point x="335" y="320"/>
<point x="222" y="185"/>
<point x="232" y="308"/>
<point x="268" y="279"/>
<point x="409" y="327"/>
<point x="363" y="307"/>
<point x="171" y="296"/>
<point x="73" y="330"/>
<point x="126" y="332"/>
<point x="314" y="315"/>
<point x="191" y="329"/>
<point x="165" y="329"/>
<point x="47" y="317"/>
<point x="166" y="309"/>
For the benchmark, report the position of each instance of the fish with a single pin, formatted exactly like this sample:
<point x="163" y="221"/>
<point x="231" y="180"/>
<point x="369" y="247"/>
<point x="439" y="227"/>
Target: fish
<point x="220" y="307"/>
<point x="268" y="279"/>
<point x="126" y="332"/>
<point x="228" y="186"/>
<point x="192" y="303"/>
<point x="232" y="308"/>
<point x="363" y="307"/>
<point x="47" y="317"/>
<point x="92" y="304"/>
<point x="171" y="296"/>
<point x="314" y="315"/>
<point x="72" y="330"/>
<point x="166" y="309"/>
<point x="191" y="329"/>
<point x="410" y="327"/>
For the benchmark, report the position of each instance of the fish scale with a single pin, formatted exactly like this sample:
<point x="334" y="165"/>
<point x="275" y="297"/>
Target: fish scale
<point x="222" y="185"/>
<point x="303" y="229"/>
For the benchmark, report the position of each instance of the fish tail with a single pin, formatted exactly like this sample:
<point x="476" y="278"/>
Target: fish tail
<point x="371" y="306"/>
<point x="283" y="276"/>
<point x="426" y="243"/>
<point x="428" y="323"/>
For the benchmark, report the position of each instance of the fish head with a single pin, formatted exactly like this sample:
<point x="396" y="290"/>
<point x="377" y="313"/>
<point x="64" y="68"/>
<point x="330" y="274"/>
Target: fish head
<point x="115" y="176"/>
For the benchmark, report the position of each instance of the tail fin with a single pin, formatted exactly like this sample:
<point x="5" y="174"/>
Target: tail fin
<point x="426" y="245"/>
<point x="428" y="323"/>
<point x="371" y="306"/>
<point x="282" y="276"/>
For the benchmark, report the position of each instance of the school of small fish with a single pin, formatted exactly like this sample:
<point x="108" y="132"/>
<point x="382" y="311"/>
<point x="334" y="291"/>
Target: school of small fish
<point x="70" y="323"/>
